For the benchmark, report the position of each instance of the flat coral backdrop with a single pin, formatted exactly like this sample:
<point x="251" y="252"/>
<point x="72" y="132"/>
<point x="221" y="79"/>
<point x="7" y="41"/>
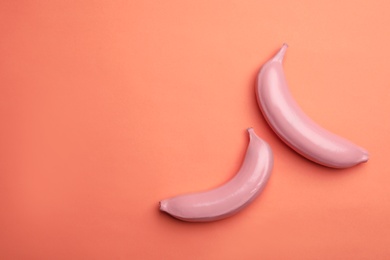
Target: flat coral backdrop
<point x="107" y="107"/>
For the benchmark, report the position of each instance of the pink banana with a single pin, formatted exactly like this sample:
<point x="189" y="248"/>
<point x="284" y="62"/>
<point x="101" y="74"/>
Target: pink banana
<point x="231" y="197"/>
<point x="294" y="127"/>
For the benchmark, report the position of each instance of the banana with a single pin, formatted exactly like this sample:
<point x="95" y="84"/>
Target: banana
<point x="232" y="196"/>
<point x="294" y="127"/>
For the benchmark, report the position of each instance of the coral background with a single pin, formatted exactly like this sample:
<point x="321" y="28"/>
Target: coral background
<point x="106" y="107"/>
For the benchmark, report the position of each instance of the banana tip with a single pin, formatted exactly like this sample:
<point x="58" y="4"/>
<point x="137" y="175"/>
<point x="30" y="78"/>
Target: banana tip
<point x="365" y="158"/>
<point x="162" y="205"/>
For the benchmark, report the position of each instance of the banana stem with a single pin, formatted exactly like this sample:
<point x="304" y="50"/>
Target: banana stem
<point x="280" y="55"/>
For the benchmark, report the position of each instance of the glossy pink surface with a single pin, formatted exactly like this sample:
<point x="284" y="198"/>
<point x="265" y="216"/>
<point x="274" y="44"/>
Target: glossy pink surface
<point x="294" y="127"/>
<point x="231" y="197"/>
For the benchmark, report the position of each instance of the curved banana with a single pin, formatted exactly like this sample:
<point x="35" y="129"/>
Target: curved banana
<point x="294" y="127"/>
<point x="231" y="197"/>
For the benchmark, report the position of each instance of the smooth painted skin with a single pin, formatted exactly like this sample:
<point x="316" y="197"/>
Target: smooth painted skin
<point x="231" y="197"/>
<point x="294" y="127"/>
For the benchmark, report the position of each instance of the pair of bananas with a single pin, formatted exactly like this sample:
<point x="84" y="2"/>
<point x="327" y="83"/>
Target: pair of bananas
<point x="293" y="126"/>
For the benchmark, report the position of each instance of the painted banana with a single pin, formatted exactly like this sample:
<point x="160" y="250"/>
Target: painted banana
<point x="294" y="127"/>
<point x="231" y="197"/>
